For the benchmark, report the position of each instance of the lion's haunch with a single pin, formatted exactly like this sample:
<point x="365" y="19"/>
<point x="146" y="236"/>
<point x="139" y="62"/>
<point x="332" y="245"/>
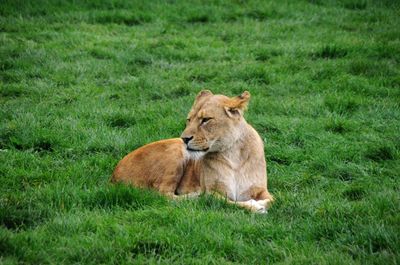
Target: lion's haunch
<point x="161" y="165"/>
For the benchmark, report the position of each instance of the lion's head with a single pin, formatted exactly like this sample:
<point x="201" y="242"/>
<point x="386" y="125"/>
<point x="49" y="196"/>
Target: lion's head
<point x="214" y="123"/>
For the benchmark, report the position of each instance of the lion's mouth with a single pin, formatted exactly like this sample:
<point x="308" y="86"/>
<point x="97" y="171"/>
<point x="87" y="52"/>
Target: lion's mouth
<point x="197" y="150"/>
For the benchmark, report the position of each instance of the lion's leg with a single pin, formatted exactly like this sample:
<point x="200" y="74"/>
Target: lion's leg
<point x="168" y="185"/>
<point x="265" y="195"/>
<point x="262" y="196"/>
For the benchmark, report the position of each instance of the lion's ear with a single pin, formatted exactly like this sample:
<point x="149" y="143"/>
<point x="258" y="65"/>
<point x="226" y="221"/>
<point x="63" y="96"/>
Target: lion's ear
<point x="242" y="101"/>
<point x="204" y="93"/>
<point x="237" y="105"/>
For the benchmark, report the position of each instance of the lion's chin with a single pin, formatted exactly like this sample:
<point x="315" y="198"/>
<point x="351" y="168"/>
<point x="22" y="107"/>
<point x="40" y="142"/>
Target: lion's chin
<point x="196" y="154"/>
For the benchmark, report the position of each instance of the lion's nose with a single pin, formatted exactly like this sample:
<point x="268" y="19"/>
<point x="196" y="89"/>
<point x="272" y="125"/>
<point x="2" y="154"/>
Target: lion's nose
<point x="186" y="140"/>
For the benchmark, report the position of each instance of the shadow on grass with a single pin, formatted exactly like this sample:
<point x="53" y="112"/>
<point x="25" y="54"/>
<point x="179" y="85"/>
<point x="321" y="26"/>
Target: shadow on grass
<point x="121" y="196"/>
<point x="151" y="248"/>
<point x="13" y="91"/>
<point x="329" y="52"/>
<point x="338" y="125"/>
<point x="120" y="17"/>
<point x="120" y="120"/>
<point x="24" y="211"/>
<point x="39" y="145"/>
<point x="380" y="152"/>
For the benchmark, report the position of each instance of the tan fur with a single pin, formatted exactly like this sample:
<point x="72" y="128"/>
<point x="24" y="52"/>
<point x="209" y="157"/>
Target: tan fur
<point x="161" y="165"/>
<point x="224" y="155"/>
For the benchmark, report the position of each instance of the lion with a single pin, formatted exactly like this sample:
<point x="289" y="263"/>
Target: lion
<point x="218" y="153"/>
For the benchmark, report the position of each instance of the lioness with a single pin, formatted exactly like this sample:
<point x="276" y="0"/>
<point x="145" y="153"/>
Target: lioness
<point x="218" y="153"/>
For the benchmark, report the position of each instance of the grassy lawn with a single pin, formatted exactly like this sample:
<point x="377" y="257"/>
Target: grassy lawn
<point x="82" y="83"/>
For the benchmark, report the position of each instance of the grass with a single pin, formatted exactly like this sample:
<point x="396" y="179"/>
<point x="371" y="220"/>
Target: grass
<point x="82" y="83"/>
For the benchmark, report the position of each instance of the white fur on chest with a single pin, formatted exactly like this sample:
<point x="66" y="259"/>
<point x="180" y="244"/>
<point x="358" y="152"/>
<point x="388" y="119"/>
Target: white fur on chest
<point x="238" y="181"/>
<point x="238" y="185"/>
<point x="235" y="183"/>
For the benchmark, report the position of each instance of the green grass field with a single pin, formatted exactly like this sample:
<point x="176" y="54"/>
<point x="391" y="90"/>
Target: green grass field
<point x="82" y="83"/>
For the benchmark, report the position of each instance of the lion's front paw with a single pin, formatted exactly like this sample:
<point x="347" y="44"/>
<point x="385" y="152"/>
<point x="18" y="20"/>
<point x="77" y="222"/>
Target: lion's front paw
<point x="266" y="203"/>
<point x="258" y="207"/>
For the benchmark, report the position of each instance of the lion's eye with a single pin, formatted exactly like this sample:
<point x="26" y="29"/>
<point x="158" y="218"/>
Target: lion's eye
<point x="204" y="120"/>
<point x="187" y="120"/>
